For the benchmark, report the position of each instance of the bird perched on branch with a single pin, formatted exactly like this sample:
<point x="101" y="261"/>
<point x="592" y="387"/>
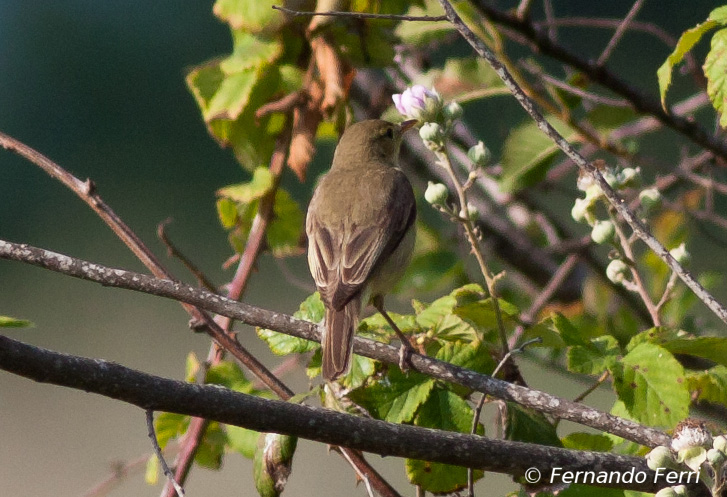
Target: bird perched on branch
<point x="360" y="227"/>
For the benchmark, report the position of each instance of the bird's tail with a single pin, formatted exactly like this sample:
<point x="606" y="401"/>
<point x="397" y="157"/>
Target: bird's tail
<point x="338" y="340"/>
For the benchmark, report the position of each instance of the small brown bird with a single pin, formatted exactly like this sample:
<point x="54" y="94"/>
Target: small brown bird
<point x="360" y="227"/>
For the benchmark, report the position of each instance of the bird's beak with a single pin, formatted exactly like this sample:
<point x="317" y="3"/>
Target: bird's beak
<point x="406" y="125"/>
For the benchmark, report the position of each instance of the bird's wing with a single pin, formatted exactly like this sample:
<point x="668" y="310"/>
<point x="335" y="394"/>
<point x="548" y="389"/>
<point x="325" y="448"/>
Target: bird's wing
<point x="341" y="258"/>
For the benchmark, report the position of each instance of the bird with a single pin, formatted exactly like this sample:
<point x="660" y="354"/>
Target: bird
<point x="361" y="230"/>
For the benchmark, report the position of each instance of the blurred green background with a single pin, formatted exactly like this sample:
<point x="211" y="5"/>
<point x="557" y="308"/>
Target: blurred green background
<point x="99" y="88"/>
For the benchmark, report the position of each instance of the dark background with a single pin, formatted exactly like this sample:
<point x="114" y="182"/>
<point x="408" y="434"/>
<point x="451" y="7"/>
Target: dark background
<point x="99" y="88"/>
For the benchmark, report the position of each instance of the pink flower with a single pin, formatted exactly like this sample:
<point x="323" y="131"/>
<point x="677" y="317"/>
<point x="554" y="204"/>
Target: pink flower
<point x="418" y="103"/>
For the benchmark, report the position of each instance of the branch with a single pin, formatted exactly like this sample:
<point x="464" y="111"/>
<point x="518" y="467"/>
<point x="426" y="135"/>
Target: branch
<point x="233" y="408"/>
<point x="619" y="204"/>
<point x="640" y="101"/>
<point x="254" y="316"/>
<point x="359" y="15"/>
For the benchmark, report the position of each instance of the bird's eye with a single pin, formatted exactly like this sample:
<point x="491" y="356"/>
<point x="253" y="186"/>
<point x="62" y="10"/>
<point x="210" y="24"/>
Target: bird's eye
<point x="389" y="133"/>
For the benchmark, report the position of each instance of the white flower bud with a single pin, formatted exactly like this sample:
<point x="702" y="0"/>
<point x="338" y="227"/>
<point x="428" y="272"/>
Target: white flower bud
<point x="436" y="193"/>
<point x="479" y="154"/>
<point x="716" y="457"/>
<point x="681" y="255"/>
<point x="611" y="178"/>
<point x="680" y="490"/>
<point x="720" y="443"/>
<point x="630" y="177"/>
<point x="616" y="271"/>
<point x="593" y="193"/>
<point x="660" y="457"/>
<point x="650" y="199"/>
<point x="431" y="132"/>
<point x="452" y="111"/>
<point x="666" y="492"/>
<point x="603" y="232"/>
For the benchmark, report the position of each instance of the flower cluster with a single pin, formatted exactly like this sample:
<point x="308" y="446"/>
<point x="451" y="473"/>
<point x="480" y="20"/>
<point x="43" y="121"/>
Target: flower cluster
<point x="593" y="210"/>
<point x="692" y="447"/>
<point x="437" y="120"/>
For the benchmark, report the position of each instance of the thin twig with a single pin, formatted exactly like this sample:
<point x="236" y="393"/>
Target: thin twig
<point x="599" y="99"/>
<point x="360" y="15"/>
<point x="119" y="471"/>
<point x="523" y="8"/>
<point x="668" y="289"/>
<point x="481" y="402"/>
<point x="620" y="30"/>
<point x="619" y="204"/>
<point x="173" y="251"/>
<point x="593" y="387"/>
<point x="158" y="451"/>
<point x="544" y="297"/>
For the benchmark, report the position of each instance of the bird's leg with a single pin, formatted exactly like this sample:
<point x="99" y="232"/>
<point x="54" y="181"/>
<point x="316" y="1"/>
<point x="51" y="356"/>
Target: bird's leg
<point x="406" y="347"/>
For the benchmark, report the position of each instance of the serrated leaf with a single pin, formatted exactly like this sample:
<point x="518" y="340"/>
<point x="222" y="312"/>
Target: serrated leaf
<point x="594" y="360"/>
<point x="709" y="385"/>
<point x="8" y="322"/>
<point x="443" y="410"/>
<point x="434" y="312"/>
<point x="677" y="342"/>
<point x="396" y="397"/>
<point x="687" y="40"/>
<point x="242" y="440"/>
<point x="250" y="51"/>
<point x="251" y="15"/>
<point x="652" y="386"/>
<point x="527" y="425"/>
<point x="474" y="356"/>
<point x="286" y="229"/>
<point x="715" y="68"/>
<point x="528" y="153"/>
<point x="362" y="368"/>
<point x="312" y="310"/>
<point x="588" y="441"/>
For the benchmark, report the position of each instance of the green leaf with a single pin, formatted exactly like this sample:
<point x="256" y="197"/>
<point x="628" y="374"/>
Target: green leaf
<point x="8" y="322"/>
<point x="594" y="360"/>
<point x="474" y="356"/>
<point x="526" y="425"/>
<point x="652" y="386"/>
<point x="311" y="309"/>
<point x="588" y="441"/>
<point x="715" y="68"/>
<point x="229" y="374"/>
<point x="606" y="118"/>
<point x="169" y="426"/>
<point x="709" y="385"/>
<point x="443" y="410"/>
<point x="242" y="440"/>
<point x="395" y="398"/>
<point x="210" y="451"/>
<point x="254" y="16"/>
<point x="227" y="212"/>
<point x="528" y="153"/>
<point x="569" y="333"/>
<point x="260" y="184"/>
<point x="430" y="316"/>
<point x="285" y="232"/>
<point x="687" y="40"/>
<point x="678" y="342"/>
<point x="250" y="51"/>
